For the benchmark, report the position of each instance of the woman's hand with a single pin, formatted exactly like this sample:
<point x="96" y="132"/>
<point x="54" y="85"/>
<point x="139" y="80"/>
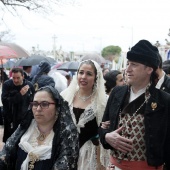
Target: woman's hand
<point x="105" y="125"/>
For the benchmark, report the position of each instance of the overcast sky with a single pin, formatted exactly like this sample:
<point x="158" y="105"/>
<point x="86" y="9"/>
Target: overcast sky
<point x="93" y="24"/>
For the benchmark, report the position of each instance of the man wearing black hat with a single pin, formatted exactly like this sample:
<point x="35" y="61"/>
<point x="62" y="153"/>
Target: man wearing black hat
<point x="139" y="131"/>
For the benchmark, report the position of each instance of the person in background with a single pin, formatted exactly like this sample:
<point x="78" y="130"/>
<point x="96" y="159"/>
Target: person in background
<point x="113" y="78"/>
<point x="42" y="78"/>
<point x="105" y="70"/>
<point x="3" y="76"/>
<point x="139" y="115"/>
<point x="34" y="71"/>
<point x="163" y="81"/>
<point x="166" y="69"/>
<point x="16" y="96"/>
<point x="27" y="71"/>
<point x="166" y="62"/>
<point x="87" y="99"/>
<point x="69" y="78"/>
<point x="46" y="138"/>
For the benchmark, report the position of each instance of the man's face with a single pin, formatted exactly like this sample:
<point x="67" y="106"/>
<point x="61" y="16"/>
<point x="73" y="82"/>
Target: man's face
<point x="138" y="74"/>
<point x="29" y="70"/>
<point x="17" y="78"/>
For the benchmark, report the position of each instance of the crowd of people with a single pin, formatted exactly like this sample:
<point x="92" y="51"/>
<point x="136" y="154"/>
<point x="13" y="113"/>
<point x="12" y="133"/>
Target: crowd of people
<point x="102" y="120"/>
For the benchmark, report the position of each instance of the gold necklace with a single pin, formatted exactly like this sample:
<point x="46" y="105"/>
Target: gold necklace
<point x="41" y="137"/>
<point x="84" y="98"/>
<point x="135" y="113"/>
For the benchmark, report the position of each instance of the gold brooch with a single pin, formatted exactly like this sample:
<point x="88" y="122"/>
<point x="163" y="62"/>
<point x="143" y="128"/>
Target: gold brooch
<point x="33" y="158"/>
<point x="153" y="105"/>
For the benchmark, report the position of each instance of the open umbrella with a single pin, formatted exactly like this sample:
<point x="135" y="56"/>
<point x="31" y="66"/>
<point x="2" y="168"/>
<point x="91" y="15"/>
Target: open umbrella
<point x="7" y="64"/>
<point x="93" y="56"/>
<point x="34" y="60"/>
<point x="56" y="65"/>
<point x="69" y="66"/>
<point x="21" y="52"/>
<point x="6" y="53"/>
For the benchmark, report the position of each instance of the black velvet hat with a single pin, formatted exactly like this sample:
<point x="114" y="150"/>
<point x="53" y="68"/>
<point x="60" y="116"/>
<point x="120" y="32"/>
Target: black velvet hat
<point x="145" y="53"/>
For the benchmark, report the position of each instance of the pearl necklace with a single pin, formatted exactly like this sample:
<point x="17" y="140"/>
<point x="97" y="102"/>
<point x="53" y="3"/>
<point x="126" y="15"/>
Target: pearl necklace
<point x="84" y="98"/>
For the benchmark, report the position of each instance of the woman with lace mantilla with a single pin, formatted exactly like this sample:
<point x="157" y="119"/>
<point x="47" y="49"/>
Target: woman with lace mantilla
<point x="46" y="139"/>
<point x="87" y="99"/>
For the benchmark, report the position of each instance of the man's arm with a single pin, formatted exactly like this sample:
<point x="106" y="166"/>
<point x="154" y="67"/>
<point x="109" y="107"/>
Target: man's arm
<point x="104" y="131"/>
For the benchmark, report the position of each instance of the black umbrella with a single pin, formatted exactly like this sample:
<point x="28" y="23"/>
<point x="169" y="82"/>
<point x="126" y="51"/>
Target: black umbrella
<point x="34" y="60"/>
<point x="69" y="66"/>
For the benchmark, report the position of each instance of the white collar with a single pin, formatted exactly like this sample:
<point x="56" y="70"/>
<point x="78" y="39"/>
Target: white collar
<point x="160" y="82"/>
<point x="26" y="73"/>
<point x="133" y="95"/>
<point x="42" y="152"/>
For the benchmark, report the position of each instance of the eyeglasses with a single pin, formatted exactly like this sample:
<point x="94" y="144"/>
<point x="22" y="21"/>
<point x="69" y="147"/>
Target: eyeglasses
<point x="43" y="105"/>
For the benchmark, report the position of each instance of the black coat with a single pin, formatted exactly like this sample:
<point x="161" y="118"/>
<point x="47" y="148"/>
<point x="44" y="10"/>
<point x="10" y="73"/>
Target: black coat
<point x="166" y="84"/>
<point x="14" y="105"/>
<point x="43" y="80"/>
<point x="27" y="77"/>
<point x="157" y="123"/>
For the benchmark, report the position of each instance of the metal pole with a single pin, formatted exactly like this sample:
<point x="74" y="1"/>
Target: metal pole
<point x="54" y="46"/>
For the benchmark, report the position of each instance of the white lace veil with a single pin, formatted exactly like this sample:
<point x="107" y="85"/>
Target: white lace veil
<point x="99" y="89"/>
<point x="100" y="99"/>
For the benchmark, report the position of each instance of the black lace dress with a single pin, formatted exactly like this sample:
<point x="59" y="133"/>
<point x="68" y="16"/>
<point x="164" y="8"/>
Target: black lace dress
<point x="89" y="132"/>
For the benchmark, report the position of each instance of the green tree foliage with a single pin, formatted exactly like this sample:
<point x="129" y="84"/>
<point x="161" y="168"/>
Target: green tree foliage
<point x="111" y="50"/>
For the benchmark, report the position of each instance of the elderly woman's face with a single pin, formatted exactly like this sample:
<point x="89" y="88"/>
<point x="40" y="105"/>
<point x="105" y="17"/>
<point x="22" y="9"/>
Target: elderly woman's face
<point x="45" y="113"/>
<point x="86" y="76"/>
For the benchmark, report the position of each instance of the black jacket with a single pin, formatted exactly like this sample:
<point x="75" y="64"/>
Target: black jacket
<point x="14" y="105"/>
<point x="43" y="80"/>
<point x="157" y="123"/>
<point x="166" y="84"/>
<point x="27" y="77"/>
